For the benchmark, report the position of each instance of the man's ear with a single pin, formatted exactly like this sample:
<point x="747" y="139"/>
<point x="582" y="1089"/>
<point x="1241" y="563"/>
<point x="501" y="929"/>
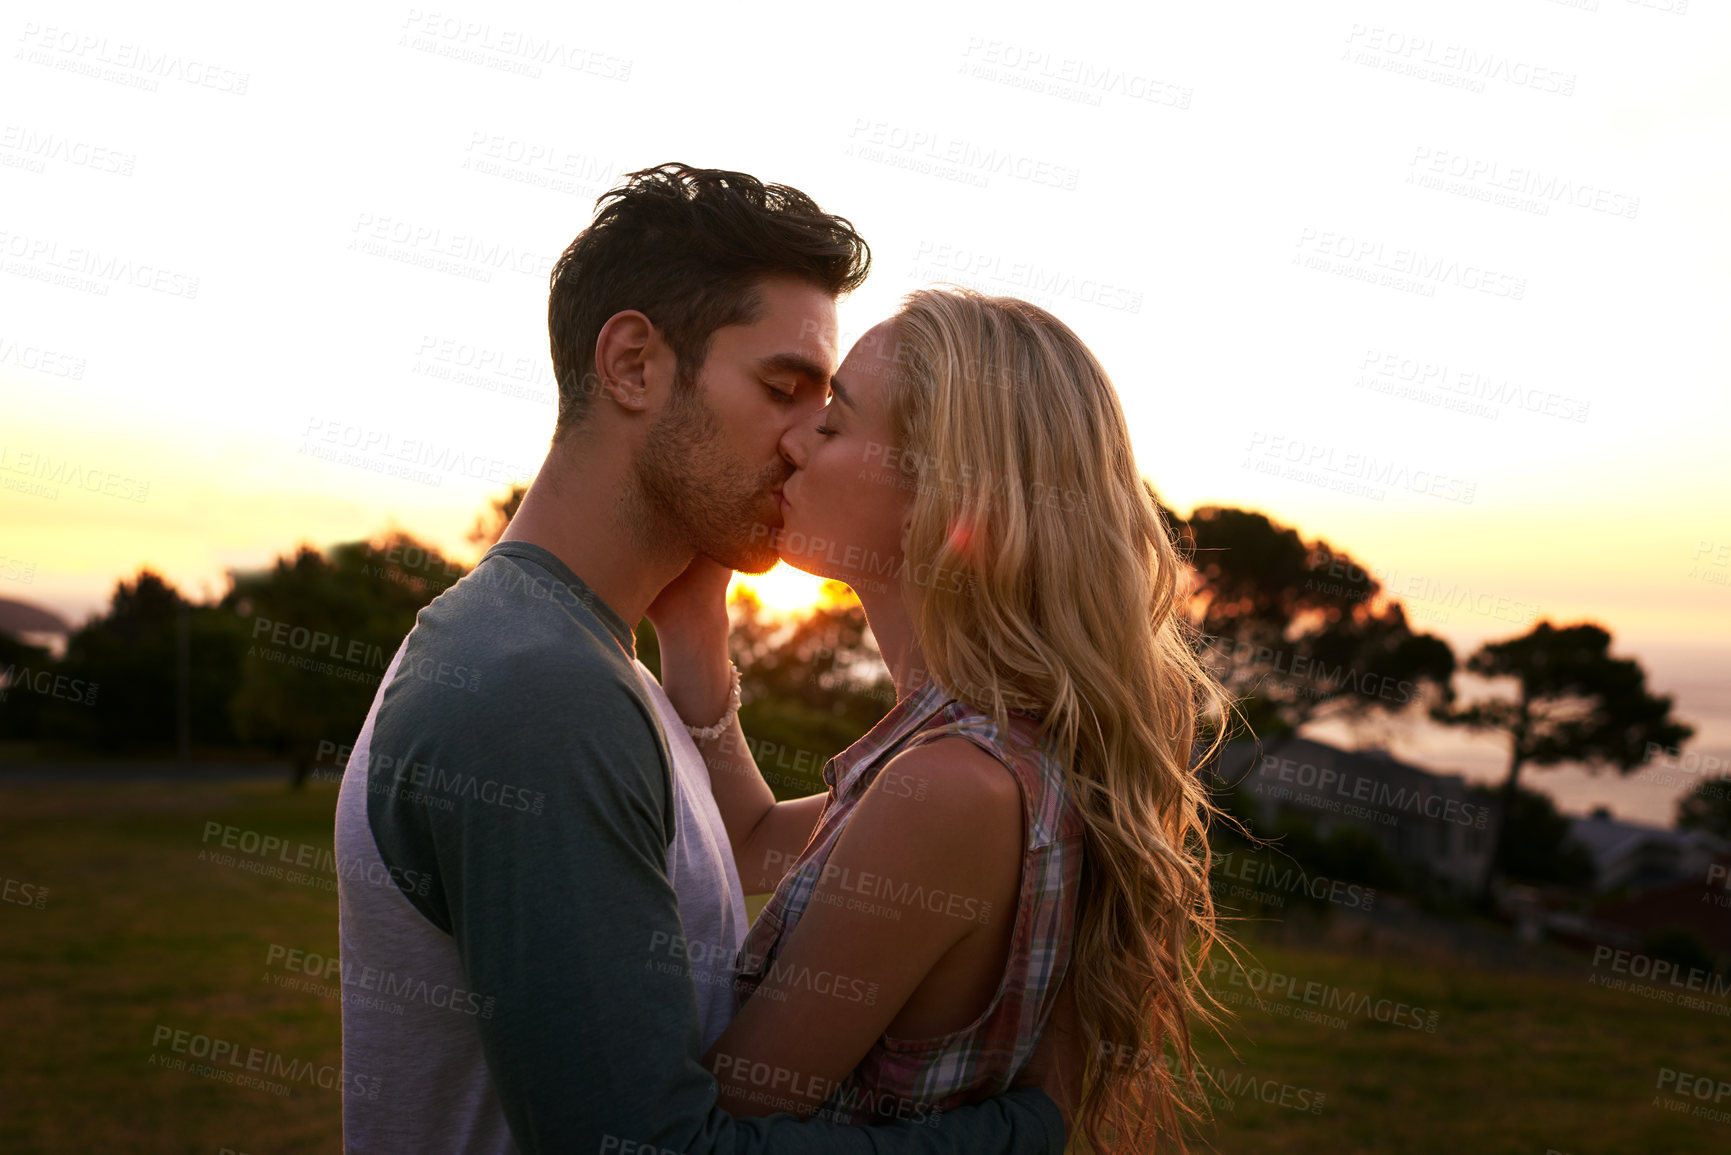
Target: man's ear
<point x="632" y="363"/>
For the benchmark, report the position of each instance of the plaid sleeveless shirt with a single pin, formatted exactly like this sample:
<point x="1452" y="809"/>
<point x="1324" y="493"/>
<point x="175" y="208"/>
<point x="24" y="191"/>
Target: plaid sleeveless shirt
<point x="919" y="1078"/>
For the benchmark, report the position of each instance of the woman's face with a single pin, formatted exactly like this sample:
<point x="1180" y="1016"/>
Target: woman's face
<point x="843" y="507"/>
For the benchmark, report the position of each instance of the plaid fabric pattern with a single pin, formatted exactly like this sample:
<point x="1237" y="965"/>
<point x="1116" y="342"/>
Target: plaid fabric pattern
<point x="918" y="1078"/>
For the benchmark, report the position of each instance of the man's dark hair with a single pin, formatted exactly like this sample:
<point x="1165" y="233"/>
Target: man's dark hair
<point x="687" y="247"/>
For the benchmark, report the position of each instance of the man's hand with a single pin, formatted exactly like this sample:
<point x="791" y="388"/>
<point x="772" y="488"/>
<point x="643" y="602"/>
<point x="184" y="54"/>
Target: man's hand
<point x="1056" y="1065"/>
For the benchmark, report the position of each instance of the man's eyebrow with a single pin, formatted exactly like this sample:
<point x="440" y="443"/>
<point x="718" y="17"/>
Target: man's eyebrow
<point x="794" y="363"/>
<point x="836" y="387"/>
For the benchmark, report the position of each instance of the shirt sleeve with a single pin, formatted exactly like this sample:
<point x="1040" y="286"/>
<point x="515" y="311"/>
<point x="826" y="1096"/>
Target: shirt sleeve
<point x="553" y="880"/>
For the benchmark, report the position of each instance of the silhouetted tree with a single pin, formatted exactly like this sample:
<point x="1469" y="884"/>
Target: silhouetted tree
<point x="125" y="660"/>
<point x="129" y="652"/>
<point x="1350" y="853"/>
<point x="1537" y="846"/>
<point x="811" y="684"/>
<point x="491" y="524"/>
<point x="22" y="708"/>
<point x="321" y="629"/>
<point x="1707" y="807"/>
<point x="1299" y="631"/>
<point x="1570" y="702"/>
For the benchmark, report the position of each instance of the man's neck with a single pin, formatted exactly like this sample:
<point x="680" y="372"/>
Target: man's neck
<point x="575" y="510"/>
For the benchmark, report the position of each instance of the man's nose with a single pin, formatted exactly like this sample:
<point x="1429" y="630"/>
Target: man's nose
<point x="792" y="444"/>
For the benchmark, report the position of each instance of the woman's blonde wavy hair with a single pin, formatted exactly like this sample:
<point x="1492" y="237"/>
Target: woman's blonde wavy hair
<point x="1027" y="484"/>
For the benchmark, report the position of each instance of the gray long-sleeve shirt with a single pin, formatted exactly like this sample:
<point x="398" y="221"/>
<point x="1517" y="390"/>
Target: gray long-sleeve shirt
<point x="515" y="973"/>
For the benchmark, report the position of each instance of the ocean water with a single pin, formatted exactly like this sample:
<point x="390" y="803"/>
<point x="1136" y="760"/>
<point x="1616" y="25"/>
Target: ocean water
<point x="1698" y="678"/>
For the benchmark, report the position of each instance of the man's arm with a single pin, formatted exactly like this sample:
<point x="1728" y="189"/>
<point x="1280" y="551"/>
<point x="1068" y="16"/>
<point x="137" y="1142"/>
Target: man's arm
<point x="567" y="919"/>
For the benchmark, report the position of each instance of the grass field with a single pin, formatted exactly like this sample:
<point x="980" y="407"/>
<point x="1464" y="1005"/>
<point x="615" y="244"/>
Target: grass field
<point x="119" y="926"/>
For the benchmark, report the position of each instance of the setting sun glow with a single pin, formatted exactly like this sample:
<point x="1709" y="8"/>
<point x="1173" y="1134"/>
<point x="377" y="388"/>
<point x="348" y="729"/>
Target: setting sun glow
<point x="785" y="590"/>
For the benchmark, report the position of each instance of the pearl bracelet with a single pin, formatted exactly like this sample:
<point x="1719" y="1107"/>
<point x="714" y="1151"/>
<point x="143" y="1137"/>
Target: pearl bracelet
<point x="705" y="733"/>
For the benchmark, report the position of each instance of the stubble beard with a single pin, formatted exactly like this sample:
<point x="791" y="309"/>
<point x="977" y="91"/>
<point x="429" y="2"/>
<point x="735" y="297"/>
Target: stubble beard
<point x="693" y="488"/>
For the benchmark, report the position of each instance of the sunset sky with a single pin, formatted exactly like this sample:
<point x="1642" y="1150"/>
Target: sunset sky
<point x="1445" y="285"/>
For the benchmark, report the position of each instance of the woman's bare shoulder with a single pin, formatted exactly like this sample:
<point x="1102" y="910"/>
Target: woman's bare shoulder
<point x="952" y="784"/>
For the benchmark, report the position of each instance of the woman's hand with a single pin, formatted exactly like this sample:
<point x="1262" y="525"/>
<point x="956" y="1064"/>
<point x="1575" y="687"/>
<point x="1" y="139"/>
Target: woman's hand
<point x="691" y="610"/>
<point x="690" y="619"/>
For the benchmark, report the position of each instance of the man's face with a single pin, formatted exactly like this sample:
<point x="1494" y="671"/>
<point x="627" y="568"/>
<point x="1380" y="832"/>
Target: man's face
<point x="712" y="464"/>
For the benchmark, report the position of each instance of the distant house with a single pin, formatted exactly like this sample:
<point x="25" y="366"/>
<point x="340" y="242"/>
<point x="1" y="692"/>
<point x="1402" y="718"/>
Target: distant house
<point x="1697" y="903"/>
<point x="1631" y="854"/>
<point x="1670" y="880"/>
<point x="1433" y="823"/>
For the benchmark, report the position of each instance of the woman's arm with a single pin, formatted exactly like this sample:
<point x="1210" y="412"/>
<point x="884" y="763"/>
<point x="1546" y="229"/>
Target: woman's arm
<point x="894" y="899"/>
<point x="766" y="835"/>
<point x="690" y="618"/>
